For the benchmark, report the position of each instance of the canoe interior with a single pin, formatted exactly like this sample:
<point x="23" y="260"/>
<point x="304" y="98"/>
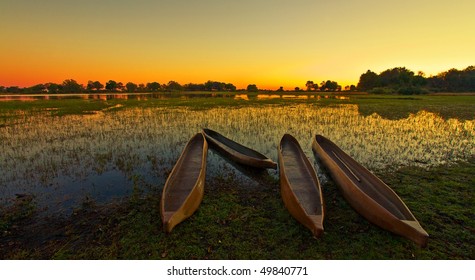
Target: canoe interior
<point x="233" y="145"/>
<point x="300" y="177"/>
<point x="184" y="179"/>
<point x="366" y="181"/>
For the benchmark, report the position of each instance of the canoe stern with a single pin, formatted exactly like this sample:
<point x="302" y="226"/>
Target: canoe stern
<point x="369" y="208"/>
<point x="172" y="218"/>
<point x="313" y="222"/>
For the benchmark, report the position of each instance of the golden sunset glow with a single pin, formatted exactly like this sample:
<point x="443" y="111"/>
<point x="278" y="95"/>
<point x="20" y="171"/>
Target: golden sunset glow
<point x="270" y="43"/>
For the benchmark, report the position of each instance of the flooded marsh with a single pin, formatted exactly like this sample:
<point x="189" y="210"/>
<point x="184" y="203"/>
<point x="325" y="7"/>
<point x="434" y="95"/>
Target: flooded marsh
<point x="64" y="160"/>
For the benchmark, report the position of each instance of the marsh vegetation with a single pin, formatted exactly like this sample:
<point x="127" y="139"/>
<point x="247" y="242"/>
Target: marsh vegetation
<point x="97" y="169"/>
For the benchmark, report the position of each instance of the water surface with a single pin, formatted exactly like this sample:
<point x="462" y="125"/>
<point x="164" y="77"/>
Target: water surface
<point x="63" y="160"/>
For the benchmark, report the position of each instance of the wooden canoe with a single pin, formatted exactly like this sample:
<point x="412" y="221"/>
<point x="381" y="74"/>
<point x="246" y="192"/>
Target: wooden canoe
<point x="237" y="152"/>
<point x="299" y="185"/>
<point x="367" y="194"/>
<point x="184" y="188"/>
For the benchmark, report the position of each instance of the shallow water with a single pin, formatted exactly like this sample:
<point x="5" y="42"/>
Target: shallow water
<point x="165" y="95"/>
<point x="65" y="160"/>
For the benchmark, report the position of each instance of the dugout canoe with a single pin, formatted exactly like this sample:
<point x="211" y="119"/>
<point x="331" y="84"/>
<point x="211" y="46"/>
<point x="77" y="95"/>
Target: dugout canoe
<point x="237" y="152"/>
<point x="299" y="185"/>
<point x="184" y="188"/>
<point x="368" y="194"/>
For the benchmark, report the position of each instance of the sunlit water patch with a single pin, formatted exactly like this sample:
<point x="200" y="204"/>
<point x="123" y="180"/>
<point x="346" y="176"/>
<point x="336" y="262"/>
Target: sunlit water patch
<point x="64" y="160"/>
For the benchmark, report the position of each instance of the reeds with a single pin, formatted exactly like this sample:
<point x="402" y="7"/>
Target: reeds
<point x="37" y="148"/>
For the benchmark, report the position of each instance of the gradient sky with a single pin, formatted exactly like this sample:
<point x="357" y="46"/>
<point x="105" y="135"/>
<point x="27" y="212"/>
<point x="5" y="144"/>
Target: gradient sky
<point x="270" y="43"/>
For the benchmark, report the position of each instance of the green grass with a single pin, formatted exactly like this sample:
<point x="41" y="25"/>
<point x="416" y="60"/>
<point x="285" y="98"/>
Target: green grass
<point x="235" y="222"/>
<point x="397" y="106"/>
<point x="238" y="222"/>
<point x="388" y="106"/>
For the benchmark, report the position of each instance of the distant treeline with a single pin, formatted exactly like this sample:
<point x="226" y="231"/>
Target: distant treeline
<point x="396" y="80"/>
<point x="71" y="86"/>
<point x="404" y="81"/>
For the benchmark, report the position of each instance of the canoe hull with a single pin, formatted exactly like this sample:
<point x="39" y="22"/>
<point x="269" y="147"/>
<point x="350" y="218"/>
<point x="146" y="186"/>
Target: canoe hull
<point x="179" y="203"/>
<point x="403" y="223"/>
<point x="237" y="152"/>
<point x="293" y="201"/>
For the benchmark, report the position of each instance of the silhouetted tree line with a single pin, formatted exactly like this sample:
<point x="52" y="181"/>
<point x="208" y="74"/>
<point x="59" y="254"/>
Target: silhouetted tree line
<point x="404" y="81"/>
<point x="396" y="80"/>
<point x="323" y="86"/>
<point x="71" y="86"/>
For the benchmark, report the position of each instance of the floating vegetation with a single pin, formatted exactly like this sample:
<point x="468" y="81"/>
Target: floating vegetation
<point x="72" y="156"/>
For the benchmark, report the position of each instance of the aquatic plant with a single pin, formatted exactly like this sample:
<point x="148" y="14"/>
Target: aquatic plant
<point x="66" y="156"/>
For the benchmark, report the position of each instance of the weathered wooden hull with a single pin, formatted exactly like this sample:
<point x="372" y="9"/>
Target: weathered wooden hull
<point x="367" y="194"/>
<point x="184" y="188"/>
<point x="299" y="186"/>
<point x="237" y="152"/>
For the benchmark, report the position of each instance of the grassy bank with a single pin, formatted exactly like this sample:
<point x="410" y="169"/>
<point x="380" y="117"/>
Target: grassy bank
<point x="235" y="222"/>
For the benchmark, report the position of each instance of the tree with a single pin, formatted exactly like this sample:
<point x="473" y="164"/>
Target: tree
<point x="90" y="86"/>
<point x="218" y="86"/>
<point x="39" y="88"/>
<point x="329" y="86"/>
<point x="111" y="86"/>
<point x="453" y="80"/>
<point x="53" y="88"/>
<point x="280" y="89"/>
<point x="71" y="86"/>
<point x="419" y="80"/>
<point x="297" y="89"/>
<point x="141" y="88"/>
<point x="97" y="86"/>
<point x="153" y="86"/>
<point x="174" y="86"/>
<point x="230" y="87"/>
<point x="368" y="81"/>
<point x="194" y="87"/>
<point x="13" y="89"/>
<point x="120" y="86"/>
<point x="397" y="80"/>
<point x="213" y="86"/>
<point x="396" y="77"/>
<point x="252" y="88"/>
<point x="310" y="85"/>
<point x="131" y="87"/>
<point x="469" y="76"/>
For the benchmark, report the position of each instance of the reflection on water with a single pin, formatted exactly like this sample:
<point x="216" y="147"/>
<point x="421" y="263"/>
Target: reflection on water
<point x="300" y="96"/>
<point x="284" y="96"/>
<point x="63" y="159"/>
<point x="108" y="96"/>
<point x="163" y="95"/>
<point x="241" y="96"/>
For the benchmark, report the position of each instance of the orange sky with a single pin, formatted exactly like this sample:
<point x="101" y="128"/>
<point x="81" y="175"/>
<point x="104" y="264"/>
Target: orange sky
<point x="269" y="43"/>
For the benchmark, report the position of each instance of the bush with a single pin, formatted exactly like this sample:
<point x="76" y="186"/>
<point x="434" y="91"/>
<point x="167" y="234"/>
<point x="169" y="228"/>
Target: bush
<point x="406" y="90"/>
<point x="382" y="90"/>
<point x="412" y="90"/>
